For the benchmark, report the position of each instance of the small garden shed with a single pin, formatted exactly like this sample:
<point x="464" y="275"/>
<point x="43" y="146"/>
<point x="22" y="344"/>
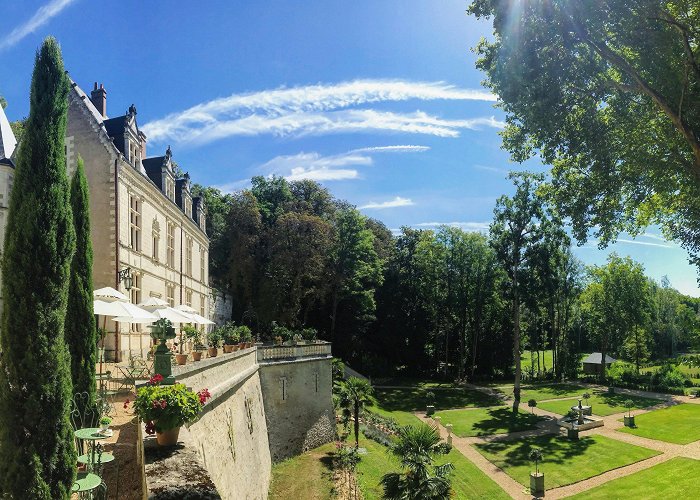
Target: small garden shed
<point x="591" y="364"/>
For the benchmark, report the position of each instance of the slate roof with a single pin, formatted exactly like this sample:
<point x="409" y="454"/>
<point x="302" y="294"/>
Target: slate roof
<point x="7" y="138"/>
<point x="153" y="167"/>
<point x="596" y="357"/>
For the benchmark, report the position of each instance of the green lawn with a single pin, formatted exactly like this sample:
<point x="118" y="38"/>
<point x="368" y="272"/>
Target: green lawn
<point x="565" y="461"/>
<point x="603" y="404"/>
<point x="676" y="424"/>
<point x="402" y="418"/>
<point x="545" y="361"/>
<point x="468" y="482"/>
<point x="414" y="398"/>
<point x="539" y="392"/>
<point x="676" y="478"/>
<point x="486" y="421"/>
<point x="313" y="466"/>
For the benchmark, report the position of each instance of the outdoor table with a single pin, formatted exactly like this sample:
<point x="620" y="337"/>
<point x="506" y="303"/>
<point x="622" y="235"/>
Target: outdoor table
<point x="92" y="435"/>
<point x="86" y="482"/>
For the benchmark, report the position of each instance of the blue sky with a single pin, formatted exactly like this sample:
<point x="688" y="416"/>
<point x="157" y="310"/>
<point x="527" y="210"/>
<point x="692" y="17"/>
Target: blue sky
<point x="377" y="99"/>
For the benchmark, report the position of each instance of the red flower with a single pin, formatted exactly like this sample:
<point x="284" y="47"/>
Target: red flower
<point x="150" y="427"/>
<point x="126" y="404"/>
<point x="163" y="404"/>
<point x="203" y="395"/>
<point x="156" y="379"/>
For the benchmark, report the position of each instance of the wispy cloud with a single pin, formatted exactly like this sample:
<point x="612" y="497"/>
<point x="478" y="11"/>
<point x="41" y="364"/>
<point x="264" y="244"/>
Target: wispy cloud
<point x="488" y="168"/>
<point x="39" y="19"/>
<point x="645" y="243"/>
<point x="467" y="226"/>
<point x="396" y="202"/>
<point x="230" y="187"/>
<point x="318" y="167"/>
<point x="319" y="109"/>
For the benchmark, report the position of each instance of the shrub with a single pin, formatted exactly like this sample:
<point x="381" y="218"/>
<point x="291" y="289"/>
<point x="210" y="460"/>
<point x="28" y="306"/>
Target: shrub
<point x="669" y="376"/>
<point x="532" y="404"/>
<point x="214" y="337"/>
<point x="377" y="435"/>
<point x="244" y="333"/>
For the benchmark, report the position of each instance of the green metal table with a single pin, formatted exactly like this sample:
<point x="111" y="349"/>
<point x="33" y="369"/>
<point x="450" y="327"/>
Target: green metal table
<point x="92" y="435"/>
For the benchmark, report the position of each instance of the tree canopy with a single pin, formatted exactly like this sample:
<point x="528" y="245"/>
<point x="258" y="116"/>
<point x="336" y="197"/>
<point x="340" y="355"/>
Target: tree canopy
<point x="608" y="93"/>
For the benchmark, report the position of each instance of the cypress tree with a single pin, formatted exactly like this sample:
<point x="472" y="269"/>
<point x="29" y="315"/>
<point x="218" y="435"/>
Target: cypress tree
<point x="81" y="335"/>
<point x="37" y="455"/>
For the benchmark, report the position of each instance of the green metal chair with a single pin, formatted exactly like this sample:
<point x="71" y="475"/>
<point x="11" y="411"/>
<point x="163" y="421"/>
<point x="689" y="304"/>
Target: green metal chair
<point x="89" y="484"/>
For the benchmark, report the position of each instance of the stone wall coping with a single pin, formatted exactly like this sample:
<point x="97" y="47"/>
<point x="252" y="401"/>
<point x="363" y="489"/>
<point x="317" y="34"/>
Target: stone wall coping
<point x="221" y="391"/>
<point x="285" y="361"/>
<point x="184" y="371"/>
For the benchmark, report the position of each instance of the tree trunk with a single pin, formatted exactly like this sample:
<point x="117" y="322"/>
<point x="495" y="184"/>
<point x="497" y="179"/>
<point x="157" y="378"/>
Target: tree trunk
<point x="357" y="424"/>
<point x="516" y="347"/>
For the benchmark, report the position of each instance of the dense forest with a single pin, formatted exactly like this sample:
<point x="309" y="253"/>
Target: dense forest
<point x="445" y="302"/>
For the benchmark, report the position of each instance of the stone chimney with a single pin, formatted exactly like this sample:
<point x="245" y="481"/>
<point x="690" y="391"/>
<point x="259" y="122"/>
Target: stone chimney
<point x="98" y="96"/>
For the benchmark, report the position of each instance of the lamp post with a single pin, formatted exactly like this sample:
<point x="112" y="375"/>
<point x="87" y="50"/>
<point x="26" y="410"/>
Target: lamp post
<point x="125" y="276"/>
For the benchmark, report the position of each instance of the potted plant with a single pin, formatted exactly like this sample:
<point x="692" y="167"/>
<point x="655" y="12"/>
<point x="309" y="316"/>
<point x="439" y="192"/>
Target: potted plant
<point x="186" y="333"/>
<point x="430" y="407"/>
<point x="104" y="423"/>
<point x="231" y="337"/>
<point x="537" y="477"/>
<point x="309" y="334"/>
<point x="198" y="347"/>
<point x="629" y="419"/>
<point x="297" y="338"/>
<point x="278" y="340"/>
<point x="246" y="336"/>
<point x="214" y="341"/>
<point x="166" y="408"/>
<point x="532" y="404"/>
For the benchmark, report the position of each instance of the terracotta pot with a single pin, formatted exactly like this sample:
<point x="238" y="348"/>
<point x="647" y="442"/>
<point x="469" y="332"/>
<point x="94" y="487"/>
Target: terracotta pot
<point x="181" y="359"/>
<point x="213" y="351"/>
<point x="228" y="348"/>
<point x="168" y="438"/>
<point x="234" y="347"/>
<point x="197" y="355"/>
<point x="241" y="346"/>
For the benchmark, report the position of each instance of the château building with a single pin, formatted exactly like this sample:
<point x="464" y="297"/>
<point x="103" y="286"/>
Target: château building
<point x="145" y="222"/>
<point x="7" y="172"/>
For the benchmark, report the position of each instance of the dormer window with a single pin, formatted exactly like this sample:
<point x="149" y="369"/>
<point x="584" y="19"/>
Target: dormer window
<point x="188" y="207"/>
<point x="169" y="187"/>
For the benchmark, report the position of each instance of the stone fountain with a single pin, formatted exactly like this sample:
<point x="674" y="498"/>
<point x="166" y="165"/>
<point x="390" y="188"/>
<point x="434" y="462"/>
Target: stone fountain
<point x="578" y="420"/>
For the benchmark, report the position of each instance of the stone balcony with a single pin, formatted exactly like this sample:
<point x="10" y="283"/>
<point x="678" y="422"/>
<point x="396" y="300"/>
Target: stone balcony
<point x="285" y="353"/>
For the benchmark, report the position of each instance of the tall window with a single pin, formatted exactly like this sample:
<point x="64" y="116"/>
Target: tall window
<point x="135" y="223"/>
<point x="202" y="299"/>
<point x="202" y="260"/>
<point x="188" y="298"/>
<point x="169" y="188"/>
<point x="170" y="294"/>
<point x="188" y="207"/>
<point x="135" y="293"/>
<point x="171" y="245"/>
<point x="156" y="240"/>
<point x="188" y="257"/>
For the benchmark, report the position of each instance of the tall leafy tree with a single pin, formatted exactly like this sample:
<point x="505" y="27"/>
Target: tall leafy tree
<point x="81" y="333"/>
<point x="37" y="457"/>
<point x="354" y="268"/>
<point x="616" y="302"/>
<point x="518" y="228"/>
<point x="608" y="92"/>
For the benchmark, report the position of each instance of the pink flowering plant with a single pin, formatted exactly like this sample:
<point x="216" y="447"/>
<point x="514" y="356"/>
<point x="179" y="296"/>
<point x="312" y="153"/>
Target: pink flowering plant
<point x="165" y="407"/>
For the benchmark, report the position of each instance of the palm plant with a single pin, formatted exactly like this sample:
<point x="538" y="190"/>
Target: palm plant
<point x="416" y="448"/>
<point x="355" y="393"/>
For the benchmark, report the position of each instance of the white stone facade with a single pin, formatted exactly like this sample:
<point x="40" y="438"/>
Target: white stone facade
<point x="134" y="224"/>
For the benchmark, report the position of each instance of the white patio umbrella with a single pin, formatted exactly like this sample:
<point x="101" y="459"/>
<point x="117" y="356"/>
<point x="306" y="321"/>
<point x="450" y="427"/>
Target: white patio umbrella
<point x="154" y="302"/>
<point x="109" y="294"/>
<point x="127" y="312"/>
<point x="169" y="313"/>
<point x="199" y="320"/>
<point x="186" y="308"/>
